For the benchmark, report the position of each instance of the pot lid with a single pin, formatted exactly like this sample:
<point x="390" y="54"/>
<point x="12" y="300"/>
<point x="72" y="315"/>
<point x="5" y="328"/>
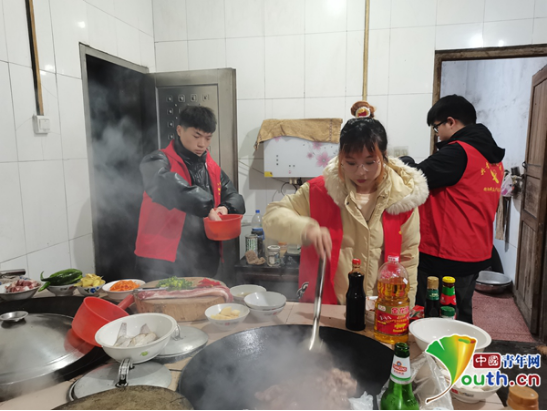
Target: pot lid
<point x="106" y="377"/>
<point x="187" y="342"/>
<point x="139" y="397"/>
<point x="39" y="344"/>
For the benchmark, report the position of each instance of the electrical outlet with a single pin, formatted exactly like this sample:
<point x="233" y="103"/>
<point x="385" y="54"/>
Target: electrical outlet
<point x="399" y="151"/>
<point x="41" y="124"/>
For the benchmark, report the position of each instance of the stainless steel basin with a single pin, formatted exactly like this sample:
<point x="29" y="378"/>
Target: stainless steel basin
<point x="492" y="282"/>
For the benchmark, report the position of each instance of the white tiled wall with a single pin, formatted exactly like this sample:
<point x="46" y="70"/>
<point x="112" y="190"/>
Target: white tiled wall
<point x="45" y="215"/>
<point x="293" y="59"/>
<point x="404" y="36"/>
<point x="500" y="92"/>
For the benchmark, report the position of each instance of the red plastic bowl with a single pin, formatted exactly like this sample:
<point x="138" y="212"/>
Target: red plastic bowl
<point x="94" y="313"/>
<point x="228" y="228"/>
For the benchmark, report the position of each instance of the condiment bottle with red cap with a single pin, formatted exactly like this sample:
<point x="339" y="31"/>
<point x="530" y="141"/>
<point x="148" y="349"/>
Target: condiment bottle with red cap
<point x="355" y="298"/>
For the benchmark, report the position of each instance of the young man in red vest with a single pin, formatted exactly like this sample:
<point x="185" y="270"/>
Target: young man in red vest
<point x="456" y="222"/>
<point x="182" y="185"/>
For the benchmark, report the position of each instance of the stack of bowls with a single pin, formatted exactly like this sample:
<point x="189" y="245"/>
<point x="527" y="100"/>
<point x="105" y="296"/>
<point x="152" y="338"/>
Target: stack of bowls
<point x="265" y="305"/>
<point x="241" y="291"/>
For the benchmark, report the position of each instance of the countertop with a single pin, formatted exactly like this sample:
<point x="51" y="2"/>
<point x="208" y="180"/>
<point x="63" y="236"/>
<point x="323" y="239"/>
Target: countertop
<point x="293" y="313"/>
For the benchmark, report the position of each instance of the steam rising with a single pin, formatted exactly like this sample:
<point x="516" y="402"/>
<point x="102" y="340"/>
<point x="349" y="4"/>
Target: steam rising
<point x="228" y="373"/>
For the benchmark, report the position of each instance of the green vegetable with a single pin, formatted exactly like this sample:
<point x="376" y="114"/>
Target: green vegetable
<point x="175" y="283"/>
<point x="64" y="277"/>
<point x="71" y="279"/>
<point x="44" y="286"/>
<point x="52" y="275"/>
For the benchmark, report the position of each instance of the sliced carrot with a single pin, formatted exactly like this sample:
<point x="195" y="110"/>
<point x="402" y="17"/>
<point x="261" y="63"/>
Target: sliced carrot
<point x="124" y="285"/>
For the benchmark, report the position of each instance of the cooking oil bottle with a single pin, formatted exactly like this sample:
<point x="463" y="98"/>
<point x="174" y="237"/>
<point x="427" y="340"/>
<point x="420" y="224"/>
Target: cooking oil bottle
<point x="392" y="305"/>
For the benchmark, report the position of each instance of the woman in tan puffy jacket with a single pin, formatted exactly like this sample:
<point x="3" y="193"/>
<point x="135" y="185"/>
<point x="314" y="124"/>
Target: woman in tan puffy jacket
<point x="341" y="213"/>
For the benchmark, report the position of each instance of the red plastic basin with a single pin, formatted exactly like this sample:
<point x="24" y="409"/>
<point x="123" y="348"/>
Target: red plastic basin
<point x="94" y="313"/>
<point x="228" y="228"/>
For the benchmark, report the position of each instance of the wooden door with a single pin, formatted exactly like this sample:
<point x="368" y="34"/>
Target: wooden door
<point x="530" y="281"/>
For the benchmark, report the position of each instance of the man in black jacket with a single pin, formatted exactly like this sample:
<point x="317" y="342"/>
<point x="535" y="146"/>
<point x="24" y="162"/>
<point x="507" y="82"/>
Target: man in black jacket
<point x="456" y="223"/>
<point x="182" y="185"/>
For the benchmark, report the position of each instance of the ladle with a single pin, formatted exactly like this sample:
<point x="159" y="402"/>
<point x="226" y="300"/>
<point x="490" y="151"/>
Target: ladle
<point x="315" y="342"/>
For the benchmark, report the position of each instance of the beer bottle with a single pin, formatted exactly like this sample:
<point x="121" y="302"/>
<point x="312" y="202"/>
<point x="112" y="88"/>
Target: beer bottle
<point x="399" y="395"/>
<point x="448" y="294"/>
<point x="432" y="304"/>
<point x="355" y="298"/>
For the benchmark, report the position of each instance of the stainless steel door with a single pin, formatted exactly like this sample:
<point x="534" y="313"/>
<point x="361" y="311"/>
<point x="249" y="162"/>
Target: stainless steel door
<point x="171" y="100"/>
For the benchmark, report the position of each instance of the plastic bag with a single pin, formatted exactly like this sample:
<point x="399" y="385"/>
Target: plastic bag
<point x="428" y="379"/>
<point x="362" y="403"/>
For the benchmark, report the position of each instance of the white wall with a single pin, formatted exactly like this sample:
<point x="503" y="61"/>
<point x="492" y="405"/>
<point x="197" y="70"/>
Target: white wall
<point x="293" y="59"/>
<point x="45" y="215"/>
<point x="500" y="92"/>
<point x="404" y="36"/>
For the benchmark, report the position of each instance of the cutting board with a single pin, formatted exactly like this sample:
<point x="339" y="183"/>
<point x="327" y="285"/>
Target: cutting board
<point x="181" y="309"/>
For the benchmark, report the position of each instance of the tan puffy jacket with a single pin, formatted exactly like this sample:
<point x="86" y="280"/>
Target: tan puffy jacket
<point x="402" y="189"/>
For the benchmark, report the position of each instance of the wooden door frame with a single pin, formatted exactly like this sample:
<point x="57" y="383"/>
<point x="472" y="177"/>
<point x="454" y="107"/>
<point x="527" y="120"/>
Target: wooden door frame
<point x="526" y="215"/>
<point x="542" y="304"/>
<point x="486" y="53"/>
<point x="492" y="53"/>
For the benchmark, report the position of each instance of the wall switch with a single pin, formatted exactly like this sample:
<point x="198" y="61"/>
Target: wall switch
<point x="41" y="124"/>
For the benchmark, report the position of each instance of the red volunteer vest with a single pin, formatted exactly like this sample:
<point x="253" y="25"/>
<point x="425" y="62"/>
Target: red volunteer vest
<point x="324" y="210"/>
<point x="160" y="229"/>
<point x="457" y="222"/>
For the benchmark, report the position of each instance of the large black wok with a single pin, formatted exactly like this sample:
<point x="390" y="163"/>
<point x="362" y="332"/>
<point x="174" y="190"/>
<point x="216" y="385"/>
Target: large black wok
<point x="227" y="373"/>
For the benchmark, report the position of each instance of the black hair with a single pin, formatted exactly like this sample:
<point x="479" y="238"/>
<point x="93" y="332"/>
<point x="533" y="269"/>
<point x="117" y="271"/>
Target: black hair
<point x="359" y="133"/>
<point x="198" y="117"/>
<point x="453" y="106"/>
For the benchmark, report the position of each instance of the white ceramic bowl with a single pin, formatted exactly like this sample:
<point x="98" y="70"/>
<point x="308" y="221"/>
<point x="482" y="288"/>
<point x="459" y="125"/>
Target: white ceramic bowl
<point x="62" y="290"/>
<point x="227" y="324"/>
<point x="426" y="330"/>
<point x="20" y="295"/>
<point x="161" y="324"/>
<point x="87" y="291"/>
<point x="268" y="300"/>
<point x="241" y="291"/>
<point x="473" y="393"/>
<point x="119" y="295"/>
<point x="265" y="315"/>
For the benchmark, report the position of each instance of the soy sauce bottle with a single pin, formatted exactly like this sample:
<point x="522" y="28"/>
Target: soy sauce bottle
<point x="432" y="303"/>
<point x="355" y="298"/>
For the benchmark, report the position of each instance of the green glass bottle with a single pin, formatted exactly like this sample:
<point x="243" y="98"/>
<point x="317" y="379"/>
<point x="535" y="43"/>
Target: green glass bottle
<point x="399" y="395"/>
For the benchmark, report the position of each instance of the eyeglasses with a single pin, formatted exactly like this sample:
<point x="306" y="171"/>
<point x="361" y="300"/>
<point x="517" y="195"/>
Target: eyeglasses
<point x="353" y="167"/>
<point x="436" y="126"/>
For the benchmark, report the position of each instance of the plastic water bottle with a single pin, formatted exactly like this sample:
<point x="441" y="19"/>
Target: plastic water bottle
<point x="256" y="222"/>
<point x="256" y="228"/>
